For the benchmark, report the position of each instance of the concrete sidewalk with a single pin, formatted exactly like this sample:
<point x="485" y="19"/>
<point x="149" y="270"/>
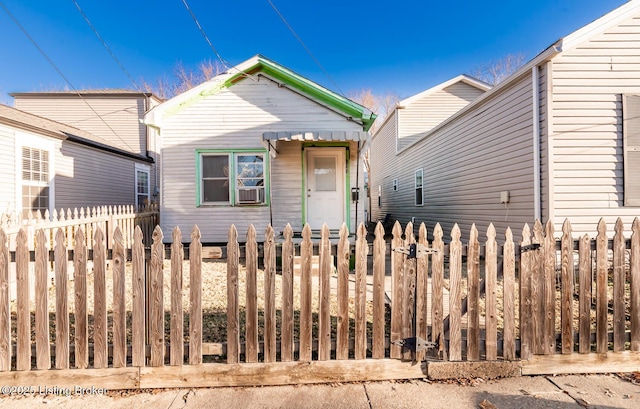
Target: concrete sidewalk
<point x="567" y="391"/>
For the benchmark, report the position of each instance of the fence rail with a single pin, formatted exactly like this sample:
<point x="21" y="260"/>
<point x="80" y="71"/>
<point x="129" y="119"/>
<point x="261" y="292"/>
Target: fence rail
<point x="554" y="301"/>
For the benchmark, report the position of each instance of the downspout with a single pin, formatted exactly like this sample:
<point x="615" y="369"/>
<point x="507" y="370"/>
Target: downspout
<point x="270" y="196"/>
<point x="536" y="144"/>
<point x="357" y="184"/>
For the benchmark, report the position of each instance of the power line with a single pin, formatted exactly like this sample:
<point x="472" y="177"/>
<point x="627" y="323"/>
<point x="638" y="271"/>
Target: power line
<point x="224" y="62"/>
<point x="104" y="43"/>
<point x="55" y="67"/>
<point x="284" y="20"/>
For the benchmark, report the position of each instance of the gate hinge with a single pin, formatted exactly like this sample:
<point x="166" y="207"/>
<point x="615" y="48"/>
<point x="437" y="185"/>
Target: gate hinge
<point x="415" y="250"/>
<point x="415" y="344"/>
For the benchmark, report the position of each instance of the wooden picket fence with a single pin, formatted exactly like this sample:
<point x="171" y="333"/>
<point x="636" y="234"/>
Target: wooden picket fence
<point x="89" y="219"/>
<point x="512" y="303"/>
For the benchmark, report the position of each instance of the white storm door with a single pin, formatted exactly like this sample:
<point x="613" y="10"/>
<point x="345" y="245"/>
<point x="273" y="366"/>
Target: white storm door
<point x="325" y="187"/>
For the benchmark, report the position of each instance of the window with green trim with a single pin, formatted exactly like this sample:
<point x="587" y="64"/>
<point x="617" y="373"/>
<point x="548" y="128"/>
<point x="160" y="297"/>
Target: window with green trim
<point x="243" y="185"/>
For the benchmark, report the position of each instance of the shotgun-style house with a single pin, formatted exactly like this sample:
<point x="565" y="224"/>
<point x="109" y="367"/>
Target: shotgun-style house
<point x="114" y="116"/>
<point x="47" y="164"/>
<point x="558" y="139"/>
<point x="260" y="144"/>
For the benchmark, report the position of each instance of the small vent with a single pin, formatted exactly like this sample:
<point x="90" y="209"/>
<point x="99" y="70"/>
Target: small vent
<point x="247" y="196"/>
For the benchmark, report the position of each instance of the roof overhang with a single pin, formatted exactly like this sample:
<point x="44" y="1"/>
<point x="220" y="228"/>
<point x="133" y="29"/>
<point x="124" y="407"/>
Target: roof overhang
<point x="273" y="138"/>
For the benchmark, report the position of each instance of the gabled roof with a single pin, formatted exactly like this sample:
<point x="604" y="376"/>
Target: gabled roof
<point x="43" y="126"/>
<point x="474" y="82"/>
<point x="286" y="77"/>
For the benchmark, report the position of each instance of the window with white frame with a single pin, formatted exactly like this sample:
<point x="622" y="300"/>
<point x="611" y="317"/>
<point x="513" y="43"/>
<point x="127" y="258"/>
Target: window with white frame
<point x="142" y="184"/>
<point x="395" y="185"/>
<point x="244" y="185"/>
<point x="419" y="191"/>
<point x="35" y="181"/>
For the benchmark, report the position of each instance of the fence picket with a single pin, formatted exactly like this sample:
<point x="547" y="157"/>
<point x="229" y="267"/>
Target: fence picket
<point x="270" y="297"/>
<point x="601" y="288"/>
<point x="585" y="287"/>
<point x="100" y="343"/>
<point x="491" y="301"/>
<point x="286" y="330"/>
<point x="537" y="289"/>
<point x="362" y="249"/>
<point x="549" y="322"/>
<point x="138" y="320"/>
<point x="62" y="304"/>
<point x="409" y="292"/>
<point x="156" y="300"/>
<point x="5" y="311"/>
<point x="619" y="250"/>
<point x="233" y="314"/>
<point x="176" y="337"/>
<point x="379" y="250"/>
<point x="455" y="295"/>
<point x="509" y="278"/>
<point x="634" y="273"/>
<point x="119" y="305"/>
<point x="344" y="253"/>
<point x="422" y="271"/>
<point x="567" y="284"/>
<point x="398" y="284"/>
<point x="473" y="282"/>
<point x="43" y="343"/>
<point x="195" y="298"/>
<point x="251" y="336"/>
<point x="80" y="300"/>
<point x="306" y="252"/>
<point x="526" y="302"/>
<point x="437" y="282"/>
<point x="23" y="324"/>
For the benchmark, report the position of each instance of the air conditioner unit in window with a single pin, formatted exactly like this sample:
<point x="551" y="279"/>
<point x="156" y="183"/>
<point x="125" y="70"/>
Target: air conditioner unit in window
<point x="248" y="196"/>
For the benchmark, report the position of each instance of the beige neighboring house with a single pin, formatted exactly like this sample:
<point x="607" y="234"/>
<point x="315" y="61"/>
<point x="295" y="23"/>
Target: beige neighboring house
<point x="558" y="139"/>
<point x="260" y="144"/>
<point x="47" y="164"/>
<point x="115" y="116"/>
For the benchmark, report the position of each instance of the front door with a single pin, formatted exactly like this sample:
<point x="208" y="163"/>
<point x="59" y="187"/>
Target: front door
<point x="326" y="174"/>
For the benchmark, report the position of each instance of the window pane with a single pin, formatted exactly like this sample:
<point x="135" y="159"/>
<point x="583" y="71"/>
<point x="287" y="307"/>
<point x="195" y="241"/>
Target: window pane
<point x="249" y="166"/>
<point x="215" y="166"/>
<point x="143" y="182"/>
<point x="215" y="191"/>
<point x="419" y="196"/>
<point x="251" y="182"/>
<point x="325" y="173"/>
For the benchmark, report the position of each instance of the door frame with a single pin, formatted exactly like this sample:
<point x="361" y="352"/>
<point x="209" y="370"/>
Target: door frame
<point x="347" y="180"/>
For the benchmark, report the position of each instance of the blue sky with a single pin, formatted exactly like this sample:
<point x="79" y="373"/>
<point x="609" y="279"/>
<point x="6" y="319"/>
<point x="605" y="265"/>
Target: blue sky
<point x="401" y="46"/>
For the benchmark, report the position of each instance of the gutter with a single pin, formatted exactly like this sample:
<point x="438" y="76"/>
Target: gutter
<point x="537" y="211"/>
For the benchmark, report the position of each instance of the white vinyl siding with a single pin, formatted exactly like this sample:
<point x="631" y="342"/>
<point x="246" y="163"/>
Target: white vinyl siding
<point x="589" y="83"/>
<point x="7" y="170"/>
<point x="235" y="119"/>
<point x="422" y="115"/>
<point x="384" y="166"/>
<point x="467" y="163"/>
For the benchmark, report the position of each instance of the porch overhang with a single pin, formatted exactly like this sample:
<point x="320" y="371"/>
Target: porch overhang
<point x="271" y="139"/>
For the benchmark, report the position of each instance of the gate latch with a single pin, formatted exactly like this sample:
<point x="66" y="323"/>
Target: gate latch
<point x="530" y="247"/>
<point x="415" y="344"/>
<point x="415" y="250"/>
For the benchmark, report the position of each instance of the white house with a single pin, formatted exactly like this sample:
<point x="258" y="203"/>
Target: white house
<point x="558" y="139"/>
<point x="260" y="144"/>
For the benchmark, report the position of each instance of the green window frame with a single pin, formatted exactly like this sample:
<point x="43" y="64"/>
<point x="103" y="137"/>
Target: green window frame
<point x="232" y="177"/>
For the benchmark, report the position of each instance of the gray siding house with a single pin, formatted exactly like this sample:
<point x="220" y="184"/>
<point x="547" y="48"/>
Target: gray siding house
<point x="260" y="144"/>
<point x="47" y="164"/>
<point x="558" y="139"/>
<point x="114" y="115"/>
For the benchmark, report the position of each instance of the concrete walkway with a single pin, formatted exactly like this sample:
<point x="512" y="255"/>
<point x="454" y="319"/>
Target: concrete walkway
<point x="569" y="391"/>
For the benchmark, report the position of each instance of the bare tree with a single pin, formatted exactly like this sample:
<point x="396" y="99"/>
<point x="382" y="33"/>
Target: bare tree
<point x="497" y="71"/>
<point x="381" y="105"/>
<point x="183" y="79"/>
